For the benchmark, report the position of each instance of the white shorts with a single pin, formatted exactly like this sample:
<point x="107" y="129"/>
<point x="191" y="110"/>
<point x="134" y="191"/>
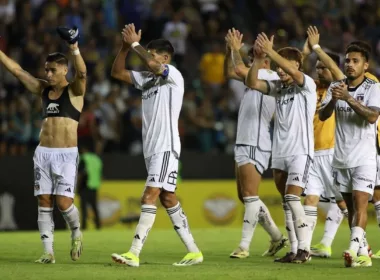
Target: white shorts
<point x="321" y="181"/>
<point x="378" y="171"/>
<point x="245" y="154"/>
<point x="162" y="171"/>
<point x="297" y="168"/>
<point x="55" y="171"/>
<point x="361" y="178"/>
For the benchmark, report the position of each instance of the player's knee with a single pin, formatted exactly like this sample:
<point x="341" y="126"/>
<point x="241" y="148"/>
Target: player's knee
<point x="45" y="201"/>
<point x="63" y="202"/>
<point x="311" y="200"/>
<point x="150" y="196"/>
<point x="168" y="199"/>
<point x="376" y="195"/>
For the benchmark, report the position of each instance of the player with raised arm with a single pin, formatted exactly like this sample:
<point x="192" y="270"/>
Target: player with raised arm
<point x="253" y="149"/>
<point x="320" y="177"/>
<point x="293" y="141"/>
<point x="356" y="102"/>
<point x="162" y="89"/>
<point x="337" y="207"/>
<point x="56" y="157"/>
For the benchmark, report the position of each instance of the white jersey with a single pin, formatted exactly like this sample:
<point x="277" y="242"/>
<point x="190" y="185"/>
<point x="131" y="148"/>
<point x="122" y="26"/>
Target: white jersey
<point x="161" y="105"/>
<point x="255" y="114"/>
<point x="355" y="138"/>
<point x="293" y="123"/>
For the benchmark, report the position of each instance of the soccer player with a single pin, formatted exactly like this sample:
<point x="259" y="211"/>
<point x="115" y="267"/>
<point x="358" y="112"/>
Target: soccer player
<point x="56" y="157"/>
<point x="162" y="89"/>
<point x="253" y="149"/>
<point x="356" y="102"/>
<point x="320" y="178"/>
<point x="293" y="141"/>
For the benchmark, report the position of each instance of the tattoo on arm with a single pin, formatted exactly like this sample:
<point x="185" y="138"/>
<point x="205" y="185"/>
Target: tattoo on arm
<point x="365" y="112"/>
<point x="236" y="58"/>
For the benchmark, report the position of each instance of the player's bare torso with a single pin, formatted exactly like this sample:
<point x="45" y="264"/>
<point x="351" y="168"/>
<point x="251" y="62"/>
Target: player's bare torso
<point x="61" y="132"/>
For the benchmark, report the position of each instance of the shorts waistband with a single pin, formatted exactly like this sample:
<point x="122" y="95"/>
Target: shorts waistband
<point x="56" y="150"/>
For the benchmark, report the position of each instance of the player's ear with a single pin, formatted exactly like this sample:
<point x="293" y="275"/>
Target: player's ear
<point x="366" y="65"/>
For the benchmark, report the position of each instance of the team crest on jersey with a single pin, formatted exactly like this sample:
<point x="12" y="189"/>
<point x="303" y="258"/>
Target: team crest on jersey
<point x="360" y="97"/>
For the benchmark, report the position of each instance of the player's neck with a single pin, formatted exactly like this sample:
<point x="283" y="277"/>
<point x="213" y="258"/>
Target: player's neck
<point x="58" y="87"/>
<point x="356" y="82"/>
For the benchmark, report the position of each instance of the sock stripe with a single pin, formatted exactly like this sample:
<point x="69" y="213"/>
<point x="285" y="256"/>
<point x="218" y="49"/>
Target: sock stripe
<point x="149" y="211"/>
<point x="173" y="210"/>
<point x="377" y="207"/>
<point x="249" y="200"/>
<point x="285" y="207"/>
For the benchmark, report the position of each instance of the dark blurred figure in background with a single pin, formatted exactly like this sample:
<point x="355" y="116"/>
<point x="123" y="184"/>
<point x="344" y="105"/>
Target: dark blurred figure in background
<point x="89" y="181"/>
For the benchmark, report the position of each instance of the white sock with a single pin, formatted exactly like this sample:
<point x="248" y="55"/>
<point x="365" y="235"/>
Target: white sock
<point x="334" y="218"/>
<point x="181" y="226"/>
<point x="363" y="248"/>
<point x="146" y="221"/>
<point x="251" y="217"/>
<point x="300" y="225"/>
<point x="324" y="206"/>
<point x="377" y="210"/>
<point x="290" y="229"/>
<point x="71" y="216"/>
<point x="357" y="234"/>
<point x="311" y="219"/>
<point x="266" y="221"/>
<point x="46" y="228"/>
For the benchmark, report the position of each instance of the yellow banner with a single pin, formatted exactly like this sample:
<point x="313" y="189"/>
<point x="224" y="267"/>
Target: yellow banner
<point x="207" y="204"/>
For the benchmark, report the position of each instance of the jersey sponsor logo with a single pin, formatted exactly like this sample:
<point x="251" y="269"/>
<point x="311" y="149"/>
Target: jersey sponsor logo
<point x="285" y="101"/>
<point x="52" y="108"/>
<point x="344" y="109"/>
<point x="148" y="95"/>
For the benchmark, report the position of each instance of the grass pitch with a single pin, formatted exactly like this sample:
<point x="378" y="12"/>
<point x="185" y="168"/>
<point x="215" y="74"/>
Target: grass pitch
<point x="163" y="247"/>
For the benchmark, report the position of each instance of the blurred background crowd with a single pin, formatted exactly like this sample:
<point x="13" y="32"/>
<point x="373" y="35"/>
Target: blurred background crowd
<point x="111" y="118"/>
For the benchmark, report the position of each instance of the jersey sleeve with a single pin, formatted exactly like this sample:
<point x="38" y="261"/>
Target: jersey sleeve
<point x="139" y="79"/>
<point x="273" y="87"/>
<point x="172" y="76"/>
<point x="327" y="98"/>
<point x="374" y="97"/>
<point x="309" y="86"/>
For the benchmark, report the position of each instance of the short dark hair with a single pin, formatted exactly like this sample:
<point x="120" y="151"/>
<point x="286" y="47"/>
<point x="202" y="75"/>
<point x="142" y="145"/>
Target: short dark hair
<point x="161" y="45"/>
<point x="360" y="47"/>
<point x="291" y="53"/>
<point x="334" y="57"/>
<point x="58" y="58"/>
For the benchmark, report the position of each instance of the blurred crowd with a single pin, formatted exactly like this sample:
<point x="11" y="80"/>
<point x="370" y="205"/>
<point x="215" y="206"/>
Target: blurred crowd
<point x="111" y="118"/>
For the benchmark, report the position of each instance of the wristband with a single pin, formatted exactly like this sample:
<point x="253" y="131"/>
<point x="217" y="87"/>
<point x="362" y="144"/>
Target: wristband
<point x="135" y="44"/>
<point x="316" y="46"/>
<point x="75" y="52"/>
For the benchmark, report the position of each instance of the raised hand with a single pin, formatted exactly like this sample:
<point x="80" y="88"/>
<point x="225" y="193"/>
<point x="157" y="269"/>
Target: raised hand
<point x="234" y="39"/>
<point x="129" y="34"/>
<point x="312" y="36"/>
<point x="265" y="44"/>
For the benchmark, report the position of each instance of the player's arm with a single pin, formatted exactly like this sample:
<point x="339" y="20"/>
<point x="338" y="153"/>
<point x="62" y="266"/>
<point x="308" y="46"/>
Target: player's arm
<point x="292" y="70"/>
<point x="327" y="111"/>
<point x="370" y="112"/>
<point x="118" y="68"/>
<point x="234" y="67"/>
<point x="252" y="80"/>
<point x="34" y="85"/>
<point x="79" y="83"/>
<point x="155" y="66"/>
<point x="313" y="40"/>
